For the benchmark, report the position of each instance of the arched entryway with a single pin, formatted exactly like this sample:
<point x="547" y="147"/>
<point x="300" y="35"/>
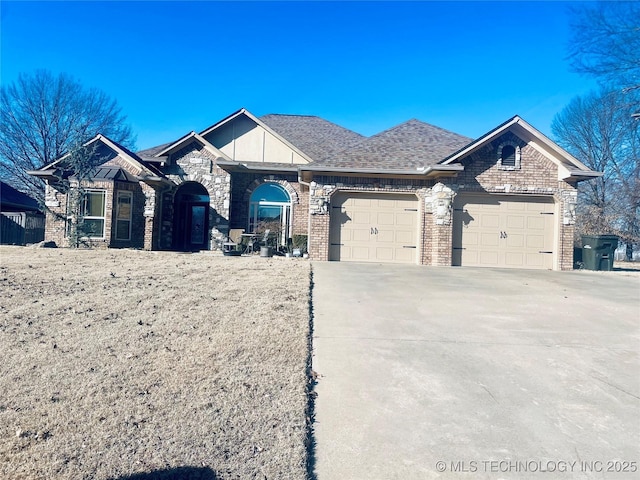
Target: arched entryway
<point x="191" y="218"/>
<point x="270" y="209"/>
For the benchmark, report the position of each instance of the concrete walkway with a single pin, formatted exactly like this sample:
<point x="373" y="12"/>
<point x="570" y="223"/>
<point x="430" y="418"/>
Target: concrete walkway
<point x="475" y="373"/>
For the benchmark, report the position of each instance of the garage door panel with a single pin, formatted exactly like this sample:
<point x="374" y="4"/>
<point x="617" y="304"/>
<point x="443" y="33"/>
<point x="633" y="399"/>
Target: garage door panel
<point x="536" y="223"/>
<point x="516" y="206"/>
<point x="515" y="241"/>
<point x="405" y="255"/>
<point x="514" y="221"/>
<point x="406" y="219"/>
<point x="373" y="227"/>
<point x="514" y="259"/>
<point x="386" y="236"/>
<point x="357" y="235"/>
<point x="384" y="254"/>
<point x="490" y="221"/>
<point x="359" y="202"/>
<point x="535" y="241"/>
<point x="489" y="240"/>
<point x="404" y="237"/>
<point x="359" y="253"/>
<point x="388" y="204"/>
<point x="487" y="258"/>
<point x="360" y="217"/>
<point x="504" y="231"/>
<point x="385" y="218"/>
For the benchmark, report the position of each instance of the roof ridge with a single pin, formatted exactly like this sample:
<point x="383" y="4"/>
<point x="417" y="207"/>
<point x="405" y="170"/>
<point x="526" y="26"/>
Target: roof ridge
<point x="421" y="122"/>
<point x="291" y="115"/>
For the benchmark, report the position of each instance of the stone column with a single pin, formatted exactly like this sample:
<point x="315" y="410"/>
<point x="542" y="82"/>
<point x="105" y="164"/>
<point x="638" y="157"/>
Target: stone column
<point x="439" y="203"/>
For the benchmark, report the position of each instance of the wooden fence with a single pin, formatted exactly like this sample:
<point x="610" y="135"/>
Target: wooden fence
<point x="21" y="228"/>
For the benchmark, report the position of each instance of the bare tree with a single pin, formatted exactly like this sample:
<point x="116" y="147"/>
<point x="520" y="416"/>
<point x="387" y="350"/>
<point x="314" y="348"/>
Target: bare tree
<point x="43" y="116"/>
<point x="598" y="129"/>
<point x="606" y="42"/>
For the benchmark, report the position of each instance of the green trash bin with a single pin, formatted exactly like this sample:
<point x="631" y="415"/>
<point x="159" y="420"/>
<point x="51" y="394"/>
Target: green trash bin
<point x="598" y="251"/>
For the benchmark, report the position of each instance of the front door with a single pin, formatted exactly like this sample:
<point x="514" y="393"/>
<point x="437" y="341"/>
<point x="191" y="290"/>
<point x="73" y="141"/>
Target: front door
<point x="191" y="219"/>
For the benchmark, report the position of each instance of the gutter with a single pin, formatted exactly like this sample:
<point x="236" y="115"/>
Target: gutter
<point x="377" y="171"/>
<point x="152" y="179"/>
<point x="41" y="173"/>
<point x="244" y="166"/>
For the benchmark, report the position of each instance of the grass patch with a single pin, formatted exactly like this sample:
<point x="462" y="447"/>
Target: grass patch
<point x="118" y="363"/>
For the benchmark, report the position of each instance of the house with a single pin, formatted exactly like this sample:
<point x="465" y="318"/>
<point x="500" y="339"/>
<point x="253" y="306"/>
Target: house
<point x="415" y="193"/>
<point x="21" y="221"/>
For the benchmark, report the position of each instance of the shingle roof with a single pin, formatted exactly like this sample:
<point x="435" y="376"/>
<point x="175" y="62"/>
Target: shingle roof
<point x="12" y="199"/>
<point x="150" y="152"/>
<point x="316" y="137"/>
<point x="407" y="146"/>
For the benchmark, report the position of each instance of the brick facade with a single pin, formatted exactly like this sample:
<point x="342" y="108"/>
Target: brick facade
<point x="527" y="172"/>
<point x="533" y="175"/>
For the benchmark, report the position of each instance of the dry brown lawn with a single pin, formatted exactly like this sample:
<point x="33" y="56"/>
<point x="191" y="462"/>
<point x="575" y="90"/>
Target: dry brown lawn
<point x="115" y="363"/>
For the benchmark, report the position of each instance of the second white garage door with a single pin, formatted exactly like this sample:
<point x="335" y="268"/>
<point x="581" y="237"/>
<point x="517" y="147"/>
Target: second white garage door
<point x="372" y="227"/>
<point x="503" y="231"/>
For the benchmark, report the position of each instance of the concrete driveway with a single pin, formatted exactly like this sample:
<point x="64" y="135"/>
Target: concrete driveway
<point x="475" y="373"/>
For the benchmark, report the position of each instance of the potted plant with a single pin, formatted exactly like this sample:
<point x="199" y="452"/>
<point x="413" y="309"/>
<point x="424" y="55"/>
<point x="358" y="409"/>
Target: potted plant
<point x="299" y="245"/>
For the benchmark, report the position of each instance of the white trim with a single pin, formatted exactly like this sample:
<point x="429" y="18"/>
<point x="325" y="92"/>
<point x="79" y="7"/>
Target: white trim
<point x="520" y="123"/>
<point x="193" y="135"/>
<point x="286" y="212"/>
<point x="129" y="194"/>
<point x="258" y="122"/>
<point x="95" y="217"/>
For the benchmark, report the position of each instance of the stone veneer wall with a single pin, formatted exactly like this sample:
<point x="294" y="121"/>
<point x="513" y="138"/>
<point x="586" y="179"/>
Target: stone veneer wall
<point x="194" y="163"/>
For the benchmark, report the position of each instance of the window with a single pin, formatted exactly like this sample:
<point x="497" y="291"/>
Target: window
<point x="509" y="156"/>
<point x="123" y="215"/>
<point x="270" y="209"/>
<point x="93" y="212"/>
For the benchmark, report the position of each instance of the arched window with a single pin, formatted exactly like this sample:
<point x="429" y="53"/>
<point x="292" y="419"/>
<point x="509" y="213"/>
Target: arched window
<point x="270" y="209"/>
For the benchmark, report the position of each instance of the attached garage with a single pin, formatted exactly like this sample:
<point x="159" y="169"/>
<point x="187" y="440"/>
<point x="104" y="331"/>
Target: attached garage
<point x="504" y="231"/>
<point x="373" y="227"/>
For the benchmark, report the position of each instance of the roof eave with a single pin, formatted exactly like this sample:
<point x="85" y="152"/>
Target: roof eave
<point x="430" y="171"/>
<point x="265" y="167"/>
<point x="582" y="175"/>
<point x="41" y="173"/>
<point x="153" y="180"/>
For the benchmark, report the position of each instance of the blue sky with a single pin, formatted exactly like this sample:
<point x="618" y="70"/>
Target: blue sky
<point x="181" y="66"/>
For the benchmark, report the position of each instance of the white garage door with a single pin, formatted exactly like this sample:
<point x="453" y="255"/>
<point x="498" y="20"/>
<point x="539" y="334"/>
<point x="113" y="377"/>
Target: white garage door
<point x="503" y="231"/>
<point x="371" y="227"/>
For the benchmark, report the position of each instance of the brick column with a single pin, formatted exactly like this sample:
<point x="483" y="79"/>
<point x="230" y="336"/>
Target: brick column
<point x="318" y="240"/>
<point x="439" y="207"/>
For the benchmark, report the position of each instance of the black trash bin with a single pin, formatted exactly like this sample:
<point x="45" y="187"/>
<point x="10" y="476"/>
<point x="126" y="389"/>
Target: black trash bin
<point x="598" y="251"/>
